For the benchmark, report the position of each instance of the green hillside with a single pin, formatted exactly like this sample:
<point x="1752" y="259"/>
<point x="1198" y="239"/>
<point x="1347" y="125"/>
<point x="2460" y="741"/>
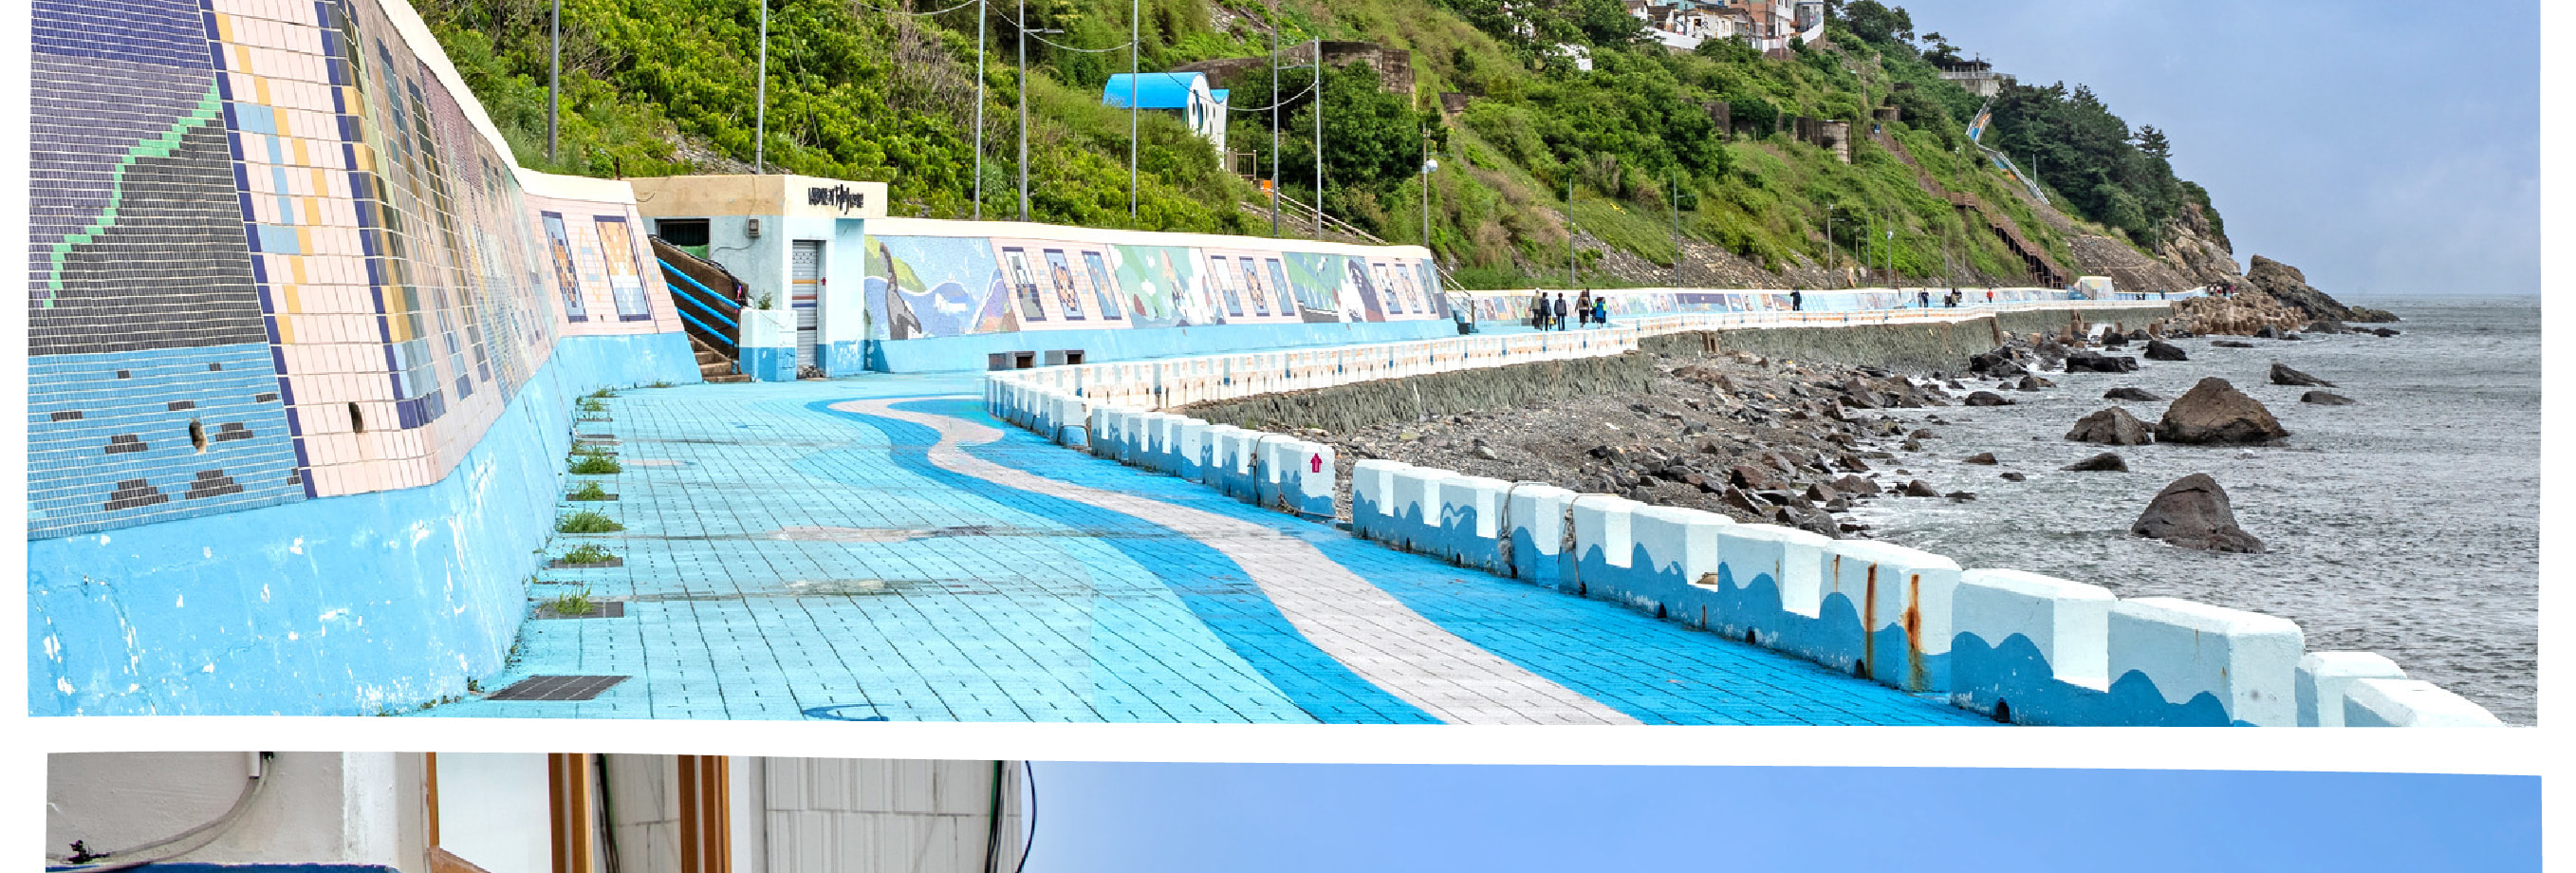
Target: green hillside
<point x="861" y="92"/>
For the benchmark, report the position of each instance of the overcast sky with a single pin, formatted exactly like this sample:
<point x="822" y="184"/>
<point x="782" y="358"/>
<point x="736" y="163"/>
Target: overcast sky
<point x="1294" y="818"/>
<point x="2381" y="147"/>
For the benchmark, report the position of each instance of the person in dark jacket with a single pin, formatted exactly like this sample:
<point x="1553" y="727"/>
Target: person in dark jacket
<point x="1601" y="311"/>
<point x="1538" y="311"/>
<point x="1583" y="309"/>
<point x="1797" y="301"/>
<point x="1560" y="310"/>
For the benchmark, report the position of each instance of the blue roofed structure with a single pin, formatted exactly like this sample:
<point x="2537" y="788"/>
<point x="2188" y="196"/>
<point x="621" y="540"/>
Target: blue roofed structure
<point x="1186" y="94"/>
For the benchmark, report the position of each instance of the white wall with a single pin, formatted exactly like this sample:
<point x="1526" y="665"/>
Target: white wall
<point x="316" y="807"/>
<point x="493" y="810"/>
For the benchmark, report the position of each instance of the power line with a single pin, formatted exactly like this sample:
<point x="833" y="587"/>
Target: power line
<point x="1310" y="88"/>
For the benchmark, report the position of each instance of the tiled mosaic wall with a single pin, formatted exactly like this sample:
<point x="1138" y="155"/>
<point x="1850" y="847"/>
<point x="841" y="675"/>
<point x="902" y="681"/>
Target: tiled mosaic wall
<point x="921" y="287"/>
<point x="273" y="258"/>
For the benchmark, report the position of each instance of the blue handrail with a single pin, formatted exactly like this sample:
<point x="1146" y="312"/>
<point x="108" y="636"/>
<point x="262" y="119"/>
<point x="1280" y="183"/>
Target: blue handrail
<point x="712" y="308"/>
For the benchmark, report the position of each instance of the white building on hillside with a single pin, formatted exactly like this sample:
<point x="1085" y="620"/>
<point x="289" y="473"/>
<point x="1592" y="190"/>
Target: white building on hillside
<point x="1184" y="94"/>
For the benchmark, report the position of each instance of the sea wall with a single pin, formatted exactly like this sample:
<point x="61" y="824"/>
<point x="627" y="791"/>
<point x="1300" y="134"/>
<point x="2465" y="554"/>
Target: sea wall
<point x="2025" y="648"/>
<point x="303" y="349"/>
<point x="947" y="295"/>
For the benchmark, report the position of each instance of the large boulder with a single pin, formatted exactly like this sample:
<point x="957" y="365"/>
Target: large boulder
<point x="2106" y="462"/>
<point x="2125" y="392"/>
<point x="2090" y="362"/>
<point x="2325" y="398"/>
<point x="1998" y="363"/>
<point x="2283" y="375"/>
<point x="2193" y="513"/>
<point x="1988" y="398"/>
<point x="2214" y="412"/>
<point x="2112" y="427"/>
<point x="2159" y="350"/>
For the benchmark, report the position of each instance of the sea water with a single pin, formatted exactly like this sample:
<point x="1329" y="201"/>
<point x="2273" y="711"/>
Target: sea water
<point x="2407" y="524"/>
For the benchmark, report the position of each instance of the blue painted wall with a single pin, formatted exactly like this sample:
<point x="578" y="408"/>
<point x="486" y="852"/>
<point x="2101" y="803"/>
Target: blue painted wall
<point x="969" y="352"/>
<point x="334" y="606"/>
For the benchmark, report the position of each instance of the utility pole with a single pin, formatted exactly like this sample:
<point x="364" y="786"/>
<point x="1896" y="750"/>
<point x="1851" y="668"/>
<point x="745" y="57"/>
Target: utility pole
<point x="1830" y="246"/>
<point x="1319" y="138"/>
<point x="1135" y="44"/>
<point x="1428" y="165"/>
<point x="1274" y="117"/>
<point x="981" y="13"/>
<point x="760" y="113"/>
<point x="1569" y="227"/>
<point x="554" y="82"/>
<point x="1024" y="29"/>
<point x="1673" y="197"/>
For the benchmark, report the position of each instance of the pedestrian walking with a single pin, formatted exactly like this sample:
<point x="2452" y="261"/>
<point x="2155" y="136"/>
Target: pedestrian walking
<point x="1583" y="309"/>
<point x="1538" y="312"/>
<point x="1797" y="301"/>
<point x="1560" y="310"/>
<point x="1601" y="311"/>
<point x="1990" y="297"/>
<point x="1923" y="298"/>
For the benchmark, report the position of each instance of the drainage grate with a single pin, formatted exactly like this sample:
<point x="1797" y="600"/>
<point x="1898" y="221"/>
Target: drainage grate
<point x="557" y="688"/>
<point x="598" y="609"/>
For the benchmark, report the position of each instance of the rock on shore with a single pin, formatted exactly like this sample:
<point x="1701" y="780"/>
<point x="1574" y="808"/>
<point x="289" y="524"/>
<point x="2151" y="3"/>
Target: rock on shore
<point x="2193" y="513"/>
<point x="2283" y="375"/>
<point x="2111" y="427"/>
<point x="2215" y="413"/>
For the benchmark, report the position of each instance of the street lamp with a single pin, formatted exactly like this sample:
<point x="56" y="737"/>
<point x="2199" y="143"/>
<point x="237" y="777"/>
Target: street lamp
<point x="1429" y="165"/>
<point x="760" y="111"/>
<point x="1025" y="30"/>
<point x="1830" y="246"/>
<point x="981" y="13"/>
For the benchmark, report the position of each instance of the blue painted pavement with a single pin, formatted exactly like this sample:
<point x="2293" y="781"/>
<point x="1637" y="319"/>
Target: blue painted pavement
<point x="880" y="549"/>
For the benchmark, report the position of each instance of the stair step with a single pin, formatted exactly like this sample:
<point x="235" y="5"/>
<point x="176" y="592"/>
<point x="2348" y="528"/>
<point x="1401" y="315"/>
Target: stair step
<point x="727" y="380"/>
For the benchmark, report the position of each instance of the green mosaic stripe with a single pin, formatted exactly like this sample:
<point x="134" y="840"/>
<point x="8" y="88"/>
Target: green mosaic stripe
<point x="210" y="109"/>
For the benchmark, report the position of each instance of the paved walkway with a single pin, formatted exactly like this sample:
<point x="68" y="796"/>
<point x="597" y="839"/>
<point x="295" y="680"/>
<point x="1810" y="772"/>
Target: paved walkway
<point x="880" y="549"/>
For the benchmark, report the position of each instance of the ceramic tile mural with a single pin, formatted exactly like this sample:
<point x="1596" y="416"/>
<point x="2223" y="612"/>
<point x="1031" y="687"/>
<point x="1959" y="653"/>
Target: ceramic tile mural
<point x="272" y="258"/>
<point x="933" y="286"/>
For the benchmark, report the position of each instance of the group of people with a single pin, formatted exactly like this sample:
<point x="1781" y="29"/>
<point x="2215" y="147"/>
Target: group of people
<point x="1548" y="313"/>
<point x="1923" y="298"/>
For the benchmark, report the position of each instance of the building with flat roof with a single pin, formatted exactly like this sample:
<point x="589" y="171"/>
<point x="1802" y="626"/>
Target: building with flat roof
<point x="1199" y="105"/>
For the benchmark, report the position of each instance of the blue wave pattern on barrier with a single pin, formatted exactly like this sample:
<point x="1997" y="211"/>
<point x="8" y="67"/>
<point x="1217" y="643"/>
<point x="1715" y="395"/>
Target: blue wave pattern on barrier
<point x="1659" y="673"/>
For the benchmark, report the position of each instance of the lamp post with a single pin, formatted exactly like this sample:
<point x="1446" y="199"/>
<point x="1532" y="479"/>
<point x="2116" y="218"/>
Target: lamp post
<point x="554" y="79"/>
<point x="1673" y="198"/>
<point x="1830" y="246"/>
<point x="1428" y="165"/>
<point x="760" y="111"/>
<point x="1273" y="26"/>
<point x="1319" y="138"/>
<point x="1135" y="31"/>
<point x="981" y="12"/>
<point x="1569" y="228"/>
<point x="1025" y="30"/>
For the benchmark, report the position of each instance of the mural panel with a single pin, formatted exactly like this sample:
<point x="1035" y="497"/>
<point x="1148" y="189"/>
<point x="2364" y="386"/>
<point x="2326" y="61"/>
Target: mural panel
<point x="931" y="286"/>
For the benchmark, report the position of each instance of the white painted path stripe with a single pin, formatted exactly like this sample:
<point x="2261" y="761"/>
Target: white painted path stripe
<point x="1352" y="621"/>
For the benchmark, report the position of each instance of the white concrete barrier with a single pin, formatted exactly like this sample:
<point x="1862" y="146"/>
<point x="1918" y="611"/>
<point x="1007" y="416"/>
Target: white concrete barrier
<point x="2246" y="663"/>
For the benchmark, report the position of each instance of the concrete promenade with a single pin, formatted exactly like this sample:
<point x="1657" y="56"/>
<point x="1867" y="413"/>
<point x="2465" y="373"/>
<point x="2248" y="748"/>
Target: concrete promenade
<point x="880" y="548"/>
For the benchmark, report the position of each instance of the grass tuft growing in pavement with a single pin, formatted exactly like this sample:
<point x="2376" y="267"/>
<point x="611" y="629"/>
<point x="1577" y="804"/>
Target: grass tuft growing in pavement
<point x="587" y="522"/>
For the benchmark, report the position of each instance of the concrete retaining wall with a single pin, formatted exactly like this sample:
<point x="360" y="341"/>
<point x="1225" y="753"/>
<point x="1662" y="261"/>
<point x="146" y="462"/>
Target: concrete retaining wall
<point x="2025" y="648"/>
<point x="349" y="605"/>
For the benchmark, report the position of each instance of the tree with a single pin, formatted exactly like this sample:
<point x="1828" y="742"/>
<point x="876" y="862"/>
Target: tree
<point x="2152" y="142"/>
<point x="1880" y="24"/>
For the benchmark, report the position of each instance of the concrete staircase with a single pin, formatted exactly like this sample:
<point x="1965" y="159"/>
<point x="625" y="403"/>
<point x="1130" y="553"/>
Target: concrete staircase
<point x="713" y="366"/>
<point x="2044" y="269"/>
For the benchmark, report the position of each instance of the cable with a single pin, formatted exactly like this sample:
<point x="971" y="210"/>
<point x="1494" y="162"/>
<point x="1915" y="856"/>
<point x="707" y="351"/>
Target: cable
<point x="993" y="828"/>
<point x="1032" y="34"/>
<point x="1029" y="774"/>
<point x="210" y="830"/>
<point x="1310" y="88"/>
<point x="904" y="12"/>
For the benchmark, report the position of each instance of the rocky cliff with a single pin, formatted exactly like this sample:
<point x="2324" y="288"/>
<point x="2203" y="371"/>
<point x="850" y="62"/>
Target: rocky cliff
<point x="2286" y="284"/>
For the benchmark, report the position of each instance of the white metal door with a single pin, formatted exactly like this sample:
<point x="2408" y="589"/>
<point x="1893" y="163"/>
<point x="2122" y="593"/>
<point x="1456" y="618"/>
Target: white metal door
<point x="804" y="293"/>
